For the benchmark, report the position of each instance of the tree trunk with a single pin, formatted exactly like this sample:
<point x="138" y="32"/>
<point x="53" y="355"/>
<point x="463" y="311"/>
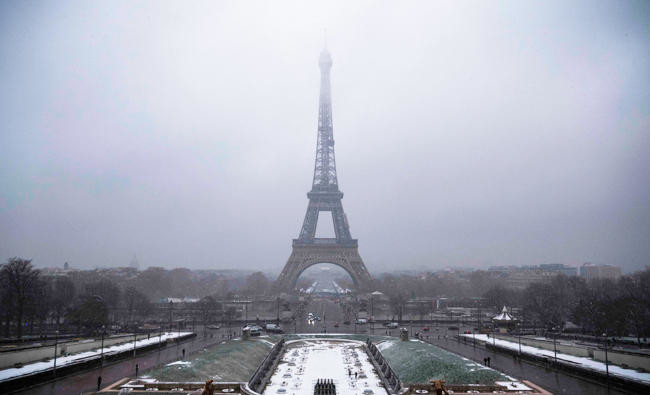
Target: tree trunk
<point x="7" y="323"/>
<point x="19" y="321"/>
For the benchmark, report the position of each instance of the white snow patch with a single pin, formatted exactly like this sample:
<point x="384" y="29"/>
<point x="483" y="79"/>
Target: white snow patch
<point x="582" y="361"/>
<point x="183" y="363"/>
<point x="304" y="362"/>
<point x="71" y="359"/>
<point x="514" y="385"/>
<point x="385" y="345"/>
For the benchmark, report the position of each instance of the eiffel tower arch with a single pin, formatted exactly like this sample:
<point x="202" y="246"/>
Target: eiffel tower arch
<point x="308" y="250"/>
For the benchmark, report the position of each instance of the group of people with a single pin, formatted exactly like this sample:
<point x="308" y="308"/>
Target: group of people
<point x="487" y="361"/>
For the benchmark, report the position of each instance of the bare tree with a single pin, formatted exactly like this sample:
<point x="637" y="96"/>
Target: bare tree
<point x="636" y="301"/>
<point x="136" y="303"/>
<point x="63" y="293"/>
<point x="256" y="284"/>
<point x="20" y="278"/>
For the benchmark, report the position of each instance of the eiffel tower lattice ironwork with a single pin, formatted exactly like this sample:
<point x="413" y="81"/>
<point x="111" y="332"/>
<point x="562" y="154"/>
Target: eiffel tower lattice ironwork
<point x="307" y="249"/>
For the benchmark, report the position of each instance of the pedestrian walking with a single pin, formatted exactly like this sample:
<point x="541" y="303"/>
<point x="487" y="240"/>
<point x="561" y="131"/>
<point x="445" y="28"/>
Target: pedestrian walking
<point x="183" y="354"/>
<point x="99" y="382"/>
<point x="136" y="370"/>
<point x="489" y="362"/>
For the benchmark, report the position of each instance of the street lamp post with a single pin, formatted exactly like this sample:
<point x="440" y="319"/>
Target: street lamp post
<point x="56" y="343"/>
<point x="171" y="306"/>
<point x="102" y="352"/>
<point x="135" y="339"/>
<point x="606" y="358"/>
<point x="555" y="347"/>
<point x="474" y="337"/>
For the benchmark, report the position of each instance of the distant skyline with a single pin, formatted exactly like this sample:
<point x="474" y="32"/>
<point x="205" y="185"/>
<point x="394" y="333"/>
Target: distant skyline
<point x="467" y="134"/>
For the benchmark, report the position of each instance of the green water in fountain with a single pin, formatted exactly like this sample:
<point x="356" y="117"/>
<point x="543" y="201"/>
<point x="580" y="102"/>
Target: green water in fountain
<point x="232" y="360"/>
<point x="413" y="361"/>
<point x="418" y="362"/>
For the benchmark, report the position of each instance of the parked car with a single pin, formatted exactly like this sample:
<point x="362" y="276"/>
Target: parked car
<point x="392" y="325"/>
<point x="273" y="328"/>
<point x="253" y="330"/>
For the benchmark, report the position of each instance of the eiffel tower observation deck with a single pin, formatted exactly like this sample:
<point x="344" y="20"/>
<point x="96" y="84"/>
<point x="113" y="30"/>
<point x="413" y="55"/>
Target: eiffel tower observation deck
<point x="325" y="195"/>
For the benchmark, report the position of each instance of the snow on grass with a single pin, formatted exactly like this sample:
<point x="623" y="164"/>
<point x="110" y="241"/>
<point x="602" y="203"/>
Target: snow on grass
<point x="182" y="363"/>
<point x="75" y="358"/>
<point x="385" y="345"/>
<point x="582" y="361"/>
<point x="266" y="342"/>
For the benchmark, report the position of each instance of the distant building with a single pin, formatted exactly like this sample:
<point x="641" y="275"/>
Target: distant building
<point x="554" y="268"/>
<point x="522" y="278"/>
<point x="590" y="271"/>
<point x="560" y="269"/>
<point x="56" y="272"/>
<point x="134" y="263"/>
<point x="519" y="277"/>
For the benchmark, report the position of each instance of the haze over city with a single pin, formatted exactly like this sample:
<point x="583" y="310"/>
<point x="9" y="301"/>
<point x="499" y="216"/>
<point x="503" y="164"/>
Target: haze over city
<point x="466" y="136"/>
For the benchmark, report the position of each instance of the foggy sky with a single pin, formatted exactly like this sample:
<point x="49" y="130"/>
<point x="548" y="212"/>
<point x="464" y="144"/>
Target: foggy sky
<point x="467" y="134"/>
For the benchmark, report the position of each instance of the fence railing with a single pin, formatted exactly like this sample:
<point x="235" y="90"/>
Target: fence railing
<point x="256" y="381"/>
<point x="391" y="379"/>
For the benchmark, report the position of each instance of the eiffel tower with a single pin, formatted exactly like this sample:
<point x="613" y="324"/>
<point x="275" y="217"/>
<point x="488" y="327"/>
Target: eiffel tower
<point x="308" y="250"/>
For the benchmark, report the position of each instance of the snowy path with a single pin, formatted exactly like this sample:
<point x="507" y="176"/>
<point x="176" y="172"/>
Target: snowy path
<point x="75" y="358"/>
<point x="582" y="361"/>
<point x="344" y="362"/>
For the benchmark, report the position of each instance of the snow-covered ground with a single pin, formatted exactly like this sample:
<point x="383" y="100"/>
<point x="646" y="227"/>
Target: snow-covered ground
<point x="306" y="361"/>
<point x="74" y="358"/>
<point x="581" y="361"/>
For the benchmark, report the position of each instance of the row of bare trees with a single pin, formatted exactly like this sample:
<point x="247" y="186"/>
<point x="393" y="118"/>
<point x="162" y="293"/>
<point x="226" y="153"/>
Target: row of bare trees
<point x="94" y="300"/>
<point x="604" y="306"/>
<point x="29" y="300"/>
<point x="615" y="307"/>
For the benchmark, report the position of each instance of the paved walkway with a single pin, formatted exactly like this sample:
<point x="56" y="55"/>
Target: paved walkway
<point x="87" y="381"/>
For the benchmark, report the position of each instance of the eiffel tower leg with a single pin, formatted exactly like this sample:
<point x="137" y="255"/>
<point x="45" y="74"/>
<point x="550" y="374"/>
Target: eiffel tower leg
<point x="304" y="256"/>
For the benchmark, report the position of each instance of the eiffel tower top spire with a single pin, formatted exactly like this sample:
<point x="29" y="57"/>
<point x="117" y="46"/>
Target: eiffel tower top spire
<point x="325" y="179"/>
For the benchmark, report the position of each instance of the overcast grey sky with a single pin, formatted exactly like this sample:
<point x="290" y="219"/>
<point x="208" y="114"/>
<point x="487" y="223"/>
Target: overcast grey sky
<point x="467" y="134"/>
